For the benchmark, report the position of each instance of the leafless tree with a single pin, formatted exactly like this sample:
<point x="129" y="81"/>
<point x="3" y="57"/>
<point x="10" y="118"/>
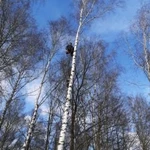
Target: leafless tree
<point x="139" y="49"/>
<point x="11" y="135"/>
<point x="140" y="113"/>
<point x="20" y="53"/>
<point x="87" y="11"/>
<point x="57" y="30"/>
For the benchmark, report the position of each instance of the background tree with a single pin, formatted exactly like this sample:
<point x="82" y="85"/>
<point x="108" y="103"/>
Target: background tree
<point x="20" y="52"/>
<point x="57" y="30"/>
<point x="139" y="49"/>
<point x="140" y="112"/>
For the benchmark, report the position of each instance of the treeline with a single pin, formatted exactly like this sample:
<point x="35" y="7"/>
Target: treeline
<point x="101" y="117"/>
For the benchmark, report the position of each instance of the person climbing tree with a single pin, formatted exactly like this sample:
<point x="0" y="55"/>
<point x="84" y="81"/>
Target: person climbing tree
<point x="69" y="49"/>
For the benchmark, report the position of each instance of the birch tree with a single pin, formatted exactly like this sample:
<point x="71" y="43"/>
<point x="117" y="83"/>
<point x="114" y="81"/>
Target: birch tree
<point x="11" y="132"/>
<point x="139" y="49"/>
<point x="57" y="30"/>
<point x="17" y="50"/>
<point x="88" y="11"/>
<point x="140" y="110"/>
<point x="14" y="23"/>
<point x="53" y="103"/>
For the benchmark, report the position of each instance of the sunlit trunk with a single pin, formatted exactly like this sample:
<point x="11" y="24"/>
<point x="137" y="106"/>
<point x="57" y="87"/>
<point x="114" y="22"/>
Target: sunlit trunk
<point x="69" y="91"/>
<point x="26" y="144"/>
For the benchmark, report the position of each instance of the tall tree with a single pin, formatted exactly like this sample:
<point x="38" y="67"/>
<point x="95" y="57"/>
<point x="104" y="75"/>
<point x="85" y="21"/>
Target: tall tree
<point x="11" y="136"/>
<point x="140" y="110"/>
<point x="88" y="10"/>
<point x="139" y="49"/>
<point x="57" y="30"/>
<point x="18" y="54"/>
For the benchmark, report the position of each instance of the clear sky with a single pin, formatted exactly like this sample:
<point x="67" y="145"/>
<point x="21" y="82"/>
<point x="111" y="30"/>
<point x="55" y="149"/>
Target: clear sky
<point x="133" y="80"/>
<point x="50" y="10"/>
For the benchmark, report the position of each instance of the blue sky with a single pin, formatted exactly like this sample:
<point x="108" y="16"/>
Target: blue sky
<point x="109" y="28"/>
<point x="50" y="10"/>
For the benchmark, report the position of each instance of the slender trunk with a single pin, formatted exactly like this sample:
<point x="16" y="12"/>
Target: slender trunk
<point x="9" y="101"/>
<point x="4" y="138"/>
<point x="146" y="57"/>
<point x="118" y="139"/>
<point x="74" y="110"/>
<point x="31" y="129"/>
<point x="93" y="118"/>
<point x="69" y="91"/>
<point x="26" y="144"/>
<point x="86" y="141"/>
<point x="50" y="120"/>
<point x="56" y="136"/>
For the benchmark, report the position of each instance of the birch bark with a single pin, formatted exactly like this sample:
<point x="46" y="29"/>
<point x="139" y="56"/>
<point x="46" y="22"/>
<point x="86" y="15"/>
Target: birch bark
<point x="89" y="11"/>
<point x="57" y="30"/>
<point x="34" y="116"/>
<point x="67" y="104"/>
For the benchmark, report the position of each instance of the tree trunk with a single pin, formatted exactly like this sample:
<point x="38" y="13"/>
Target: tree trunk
<point x="9" y="101"/>
<point x="69" y="91"/>
<point x="50" y="120"/>
<point x="74" y="110"/>
<point x="31" y="129"/>
<point x="26" y="144"/>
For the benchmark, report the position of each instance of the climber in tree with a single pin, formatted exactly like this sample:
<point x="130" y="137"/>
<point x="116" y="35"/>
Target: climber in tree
<point x="69" y="49"/>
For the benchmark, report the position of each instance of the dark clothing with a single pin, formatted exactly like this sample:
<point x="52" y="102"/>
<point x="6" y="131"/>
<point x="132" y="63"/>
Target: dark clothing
<point x="69" y="49"/>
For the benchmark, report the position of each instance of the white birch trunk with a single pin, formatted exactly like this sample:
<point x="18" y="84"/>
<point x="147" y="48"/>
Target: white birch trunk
<point x="94" y="119"/>
<point x="9" y="101"/>
<point x="34" y="116"/>
<point x="68" y="98"/>
<point x="146" y="57"/>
